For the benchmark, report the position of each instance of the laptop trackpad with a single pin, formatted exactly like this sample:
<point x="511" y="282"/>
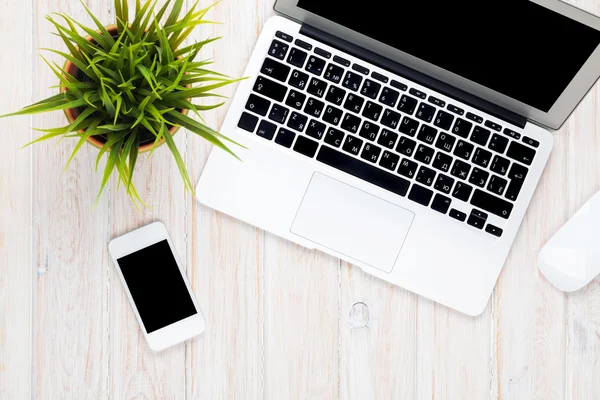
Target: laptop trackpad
<point x="352" y="222"/>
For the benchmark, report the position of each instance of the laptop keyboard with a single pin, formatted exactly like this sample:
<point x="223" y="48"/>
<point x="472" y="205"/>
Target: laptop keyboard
<point x="387" y="133"/>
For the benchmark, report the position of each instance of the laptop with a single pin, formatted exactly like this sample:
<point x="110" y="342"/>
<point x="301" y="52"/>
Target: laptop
<point x="406" y="138"/>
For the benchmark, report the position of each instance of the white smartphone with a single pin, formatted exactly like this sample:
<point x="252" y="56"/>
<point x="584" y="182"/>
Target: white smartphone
<point x="157" y="286"/>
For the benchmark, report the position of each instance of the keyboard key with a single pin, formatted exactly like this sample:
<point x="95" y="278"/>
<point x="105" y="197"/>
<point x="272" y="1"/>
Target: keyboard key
<point x="266" y="130"/>
<point x="306" y="146"/>
<point x="379" y="77"/>
<point x="406" y="146"/>
<point x="298" y="79"/>
<point x="361" y="69"/>
<point x="352" y="145"/>
<point x="351" y="123"/>
<point x="458" y="215"/>
<point x="390" y="118"/>
<point x="498" y="143"/>
<point x="492" y="204"/>
<point x="389" y="97"/>
<point x="295" y="99"/>
<point x="464" y="150"/>
<point x="335" y="95"/>
<point x="500" y="165"/>
<point x="341" y="61"/>
<point x="442" y="162"/>
<point x="283" y="36"/>
<point x="493" y="230"/>
<point x="354" y="103"/>
<point x="444" y="183"/>
<point x="407" y="104"/>
<point x="297" y="122"/>
<point x="314" y="107"/>
<point x="352" y="81"/>
<point x="480" y="136"/>
<point x="521" y="153"/>
<point x="364" y="171"/>
<point x="334" y="137"/>
<point x="441" y="203"/>
<point x="512" y="134"/>
<point x="455" y="110"/>
<point x="334" y="73"/>
<point x="399" y="85"/>
<point x="285" y="137"/>
<point x="303" y="44"/>
<point x="444" y="120"/>
<point x="332" y="115"/>
<point x="497" y="185"/>
<point x="258" y="105"/>
<point x="389" y="160"/>
<point x="517" y="177"/>
<point x="387" y="138"/>
<point x="370" y="89"/>
<point x="369" y="131"/>
<point x="427" y="134"/>
<point x="461" y="169"/>
<point x="462" y="128"/>
<point x="531" y="142"/>
<point x="462" y="191"/>
<point x="475" y="118"/>
<point x="317" y="87"/>
<point x="278" y="49"/>
<point x="424" y="154"/>
<point x="426" y="176"/>
<point x="436" y="101"/>
<point x="493" y="125"/>
<point x="418" y="93"/>
<point x="275" y="70"/>
<point x="372" y="111"/>
<point x="425" y="112"/>
<point x="420" y="195"/>
<point x="477" y="219"/>
<point x="315" y="65"/>
<point x="409" y="126"/>
<point x="269" y="88"/>
<point x="370" y="153"/>
<point x="297" y="57"/>
<point x="478" y="177"/>
<point x="323" y="53"/>
<point x="445" y="142"/>
<point x="482" y="157"/>
<point x="248" y="122"/>
<point x="278" y="113"/>
<point x="316" y="129"/>
<point x="408" y="168"/>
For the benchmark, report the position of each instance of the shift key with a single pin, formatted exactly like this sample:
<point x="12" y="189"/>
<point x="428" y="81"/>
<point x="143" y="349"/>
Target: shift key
<point x="492" y="204"/>
<point x="269" y="88"/>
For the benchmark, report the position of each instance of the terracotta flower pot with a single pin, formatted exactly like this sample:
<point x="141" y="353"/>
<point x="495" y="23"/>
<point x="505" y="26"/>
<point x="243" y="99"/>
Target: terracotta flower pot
<point x="99" y="140"/>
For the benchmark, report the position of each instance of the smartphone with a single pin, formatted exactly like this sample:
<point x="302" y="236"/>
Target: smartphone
<point x="157" y="286"/>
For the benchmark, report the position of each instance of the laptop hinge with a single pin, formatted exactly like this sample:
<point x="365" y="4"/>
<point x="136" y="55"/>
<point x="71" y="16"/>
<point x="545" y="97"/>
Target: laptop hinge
<point x="414" y="75"/>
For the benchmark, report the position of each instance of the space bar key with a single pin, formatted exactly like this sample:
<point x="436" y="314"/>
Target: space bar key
<point x="363" y="170"/>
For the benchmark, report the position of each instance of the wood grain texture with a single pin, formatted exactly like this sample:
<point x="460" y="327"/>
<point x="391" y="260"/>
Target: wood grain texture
<point x="16" y="269"/>
<point x="282" y="321"/>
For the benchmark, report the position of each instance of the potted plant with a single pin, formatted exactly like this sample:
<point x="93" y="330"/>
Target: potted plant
<point x="127" y="88"/>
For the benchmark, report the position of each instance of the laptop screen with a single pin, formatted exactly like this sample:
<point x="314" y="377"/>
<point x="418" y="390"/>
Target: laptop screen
<point x="515" y="47"/>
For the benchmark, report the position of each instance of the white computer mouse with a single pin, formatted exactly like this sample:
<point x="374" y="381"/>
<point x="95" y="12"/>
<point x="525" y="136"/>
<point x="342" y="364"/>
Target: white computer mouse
<point x="571" y="259"/>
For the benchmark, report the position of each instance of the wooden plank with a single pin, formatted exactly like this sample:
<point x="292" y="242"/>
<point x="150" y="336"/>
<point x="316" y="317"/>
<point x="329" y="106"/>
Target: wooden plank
<point x="70" y="235"/>
<point x="378" y="338"/>
<point x="227" y="362"/>
<point x="135" y="370"/>
<point x="583" y="306"/>
<point x="16" y="270"/>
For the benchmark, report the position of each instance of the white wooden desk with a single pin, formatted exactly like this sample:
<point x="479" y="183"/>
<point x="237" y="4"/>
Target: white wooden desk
<point x="283" y="322"/>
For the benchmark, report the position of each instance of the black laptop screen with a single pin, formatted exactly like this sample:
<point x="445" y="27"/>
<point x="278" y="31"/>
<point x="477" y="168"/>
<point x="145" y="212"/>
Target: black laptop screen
<point x="514" y="47"/>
